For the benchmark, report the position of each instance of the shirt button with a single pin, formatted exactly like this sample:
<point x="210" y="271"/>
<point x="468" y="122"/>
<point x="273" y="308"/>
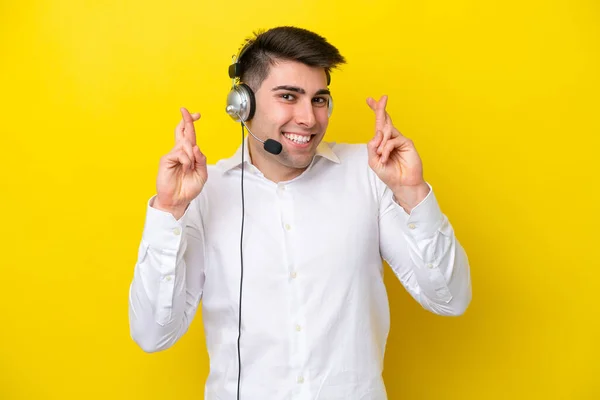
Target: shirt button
<point x="429" y="265"/>
<point x="298" y="328"/>
<point x="176" y="231"/>
<point x="288" y="227"/>
<point x="300" y="379"/>
<point x="412" y="226"/>
<point x="168" y="278"/>
<point x="293" y="275"/>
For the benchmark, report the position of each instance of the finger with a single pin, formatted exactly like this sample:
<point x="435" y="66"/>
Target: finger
<point x="380" y="114"/>
<point x="179" y="132"/>
<point x="186" y="162"/>
<point x="189" y="132"/>
<point x="373" y="145"/>
<point x="381" y="119"/>
<point x="180" y="126"/>
<point x="378" y="108"/>
<point x="387" y="149"/>
<point x="372" y="103"/>
<point x="393" y="144"/>
<point x="385" y="120"/>
<point x="387" y="134"/>
<point x="179" y="158"/>
<point x="187" y="147"/>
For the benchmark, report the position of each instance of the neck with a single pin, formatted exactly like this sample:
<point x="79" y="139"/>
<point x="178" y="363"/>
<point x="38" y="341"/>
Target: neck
<point x="270" y="168"/>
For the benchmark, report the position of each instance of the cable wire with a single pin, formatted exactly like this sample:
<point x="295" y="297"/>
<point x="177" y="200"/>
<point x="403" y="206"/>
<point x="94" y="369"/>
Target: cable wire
<point x="241" y="273"/>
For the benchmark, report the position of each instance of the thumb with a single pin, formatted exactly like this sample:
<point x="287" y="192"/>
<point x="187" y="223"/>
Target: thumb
<point x="374" y="144"/>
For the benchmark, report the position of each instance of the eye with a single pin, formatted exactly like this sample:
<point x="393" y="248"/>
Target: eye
<point x="287" y="96"/>
<point x="320" y="101"/>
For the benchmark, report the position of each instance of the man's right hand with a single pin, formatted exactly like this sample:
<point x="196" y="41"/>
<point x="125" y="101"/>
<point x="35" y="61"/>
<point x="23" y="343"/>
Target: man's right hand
<point x="182" y="172"/>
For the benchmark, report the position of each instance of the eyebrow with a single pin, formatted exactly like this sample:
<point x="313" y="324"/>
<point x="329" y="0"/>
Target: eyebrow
<point x="299" y="90"/>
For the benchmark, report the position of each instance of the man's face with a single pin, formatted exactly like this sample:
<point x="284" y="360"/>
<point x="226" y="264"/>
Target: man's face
<point x="291" y="107"/>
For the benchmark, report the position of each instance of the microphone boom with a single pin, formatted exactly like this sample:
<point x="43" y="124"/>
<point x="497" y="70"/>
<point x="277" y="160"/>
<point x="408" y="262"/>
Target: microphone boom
<point x="270" y="145"/>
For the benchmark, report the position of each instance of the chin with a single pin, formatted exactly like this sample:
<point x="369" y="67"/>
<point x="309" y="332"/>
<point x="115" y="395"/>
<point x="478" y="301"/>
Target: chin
<point x="292" y="159"/>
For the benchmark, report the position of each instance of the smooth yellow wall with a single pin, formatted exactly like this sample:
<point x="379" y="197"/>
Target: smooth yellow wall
<point x="501" y="99"/>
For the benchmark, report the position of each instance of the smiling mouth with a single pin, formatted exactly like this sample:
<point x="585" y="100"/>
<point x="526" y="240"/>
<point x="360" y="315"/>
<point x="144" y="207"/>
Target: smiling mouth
<point x="299" y="139"/>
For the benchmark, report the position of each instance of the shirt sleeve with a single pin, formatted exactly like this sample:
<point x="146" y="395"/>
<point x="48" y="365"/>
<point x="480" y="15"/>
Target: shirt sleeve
<point x="424" y="253"/>
<point x="168" y="277"/>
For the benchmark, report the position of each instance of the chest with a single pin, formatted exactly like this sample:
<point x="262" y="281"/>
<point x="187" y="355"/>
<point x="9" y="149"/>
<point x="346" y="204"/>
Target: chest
<point x="323" y="230"/>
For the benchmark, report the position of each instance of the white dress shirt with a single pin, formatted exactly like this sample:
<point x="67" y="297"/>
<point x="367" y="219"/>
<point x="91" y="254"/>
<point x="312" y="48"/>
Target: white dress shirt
<point x="315" y="314"/>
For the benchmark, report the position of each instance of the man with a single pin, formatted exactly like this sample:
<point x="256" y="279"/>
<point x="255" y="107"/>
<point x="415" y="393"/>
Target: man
<point x="285" y="250"/>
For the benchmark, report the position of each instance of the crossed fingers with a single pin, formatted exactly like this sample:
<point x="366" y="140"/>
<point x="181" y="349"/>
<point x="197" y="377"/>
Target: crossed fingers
<point x="392" y="138"/>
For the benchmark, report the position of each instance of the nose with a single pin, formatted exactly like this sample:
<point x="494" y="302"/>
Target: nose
<point x="305" y="114"/>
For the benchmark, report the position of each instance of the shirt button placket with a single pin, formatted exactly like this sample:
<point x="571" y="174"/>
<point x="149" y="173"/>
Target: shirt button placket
<point x="296" y="321"/>
<point x="284" y="197"/>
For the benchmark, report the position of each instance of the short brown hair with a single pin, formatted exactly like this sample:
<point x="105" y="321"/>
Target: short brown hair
<point x="285" y="43"/>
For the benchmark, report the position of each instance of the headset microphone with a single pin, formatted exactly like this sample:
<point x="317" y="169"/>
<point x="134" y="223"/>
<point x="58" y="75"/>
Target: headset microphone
<point x="270" y="145"/>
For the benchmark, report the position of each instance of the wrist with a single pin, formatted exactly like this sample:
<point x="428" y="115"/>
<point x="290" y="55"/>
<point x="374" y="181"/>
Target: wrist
<point x="408" y="197"/>
<point x="176" y="211"/>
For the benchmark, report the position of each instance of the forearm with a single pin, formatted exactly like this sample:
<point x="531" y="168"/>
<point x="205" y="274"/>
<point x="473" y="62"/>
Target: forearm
<point x="167" y="282"/>
<point x="425" y="254"/>
<point x="440" y="275"/>
<point x="156" y="308"/>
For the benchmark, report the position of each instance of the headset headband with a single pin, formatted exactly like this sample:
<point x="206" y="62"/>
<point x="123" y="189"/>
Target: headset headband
<point x="235" y="69"/>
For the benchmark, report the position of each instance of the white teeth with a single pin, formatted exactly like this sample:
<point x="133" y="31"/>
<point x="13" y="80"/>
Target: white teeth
<point x="301" y="139"/>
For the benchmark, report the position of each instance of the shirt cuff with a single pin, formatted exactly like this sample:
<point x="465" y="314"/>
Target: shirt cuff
<point x="425" y="218"/>
<point x="161" y="229"/>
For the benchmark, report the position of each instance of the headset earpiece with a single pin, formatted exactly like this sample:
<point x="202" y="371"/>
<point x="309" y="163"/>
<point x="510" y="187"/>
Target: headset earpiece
<point x="329" y="106"/>
<point x="241" y="103"/>
<point x="251" y="101"/>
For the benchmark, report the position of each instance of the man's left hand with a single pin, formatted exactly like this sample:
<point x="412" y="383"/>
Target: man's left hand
<point x="395" y="160"/>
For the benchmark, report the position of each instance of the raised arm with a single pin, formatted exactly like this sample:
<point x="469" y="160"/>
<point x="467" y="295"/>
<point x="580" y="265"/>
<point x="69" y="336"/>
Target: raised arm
<point x="416" y="238"/>
<point x="169" y="273"/>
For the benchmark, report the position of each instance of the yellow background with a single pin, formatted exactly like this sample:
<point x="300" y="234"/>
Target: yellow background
<point x="501" y="99"/>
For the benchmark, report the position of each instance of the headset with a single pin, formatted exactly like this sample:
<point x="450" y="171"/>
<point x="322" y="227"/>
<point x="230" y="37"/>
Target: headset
<point x="241" y="105"/>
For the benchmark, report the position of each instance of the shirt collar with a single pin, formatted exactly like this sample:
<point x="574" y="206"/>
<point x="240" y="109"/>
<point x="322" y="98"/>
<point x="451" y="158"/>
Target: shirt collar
<point x="323" y="150"/>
